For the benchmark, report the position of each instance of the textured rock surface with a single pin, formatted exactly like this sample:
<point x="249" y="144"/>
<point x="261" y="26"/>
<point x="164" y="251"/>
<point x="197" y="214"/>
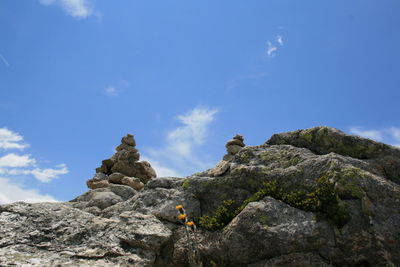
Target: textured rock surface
<point x="49" y="234"/>
<point x="351" y="216"/>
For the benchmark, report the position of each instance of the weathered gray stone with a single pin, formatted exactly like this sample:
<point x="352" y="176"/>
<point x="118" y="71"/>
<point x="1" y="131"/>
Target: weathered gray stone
<point x="236" y="142"/>
<point x="227" y="157"/>
<point x="220" y="169"/>
<point x="128" y="156"/>
<point x="270" y="228"/>
<point x="117" y="226"/>
<point x="94" y="184"/>
<point x="141" y="169"/>
<point x="106" y="166"/>
<point x="124" y="191"/>
<point x="133" y="182"/>
<point x="116" y="178"/>
<point x="103" y="200"/>
<point x="53" y="234"/>
<point x="233" y="149"/>
<point x="100" y="176"/>
<point x="129" y="140"/>
<point x="238" y="137"/>
<point x="126" y="147"/>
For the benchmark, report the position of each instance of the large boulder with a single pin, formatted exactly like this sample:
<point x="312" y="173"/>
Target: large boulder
<point x="53" y="234"/>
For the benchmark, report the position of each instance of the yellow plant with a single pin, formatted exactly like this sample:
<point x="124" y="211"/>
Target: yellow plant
<point x="190" y="229"/>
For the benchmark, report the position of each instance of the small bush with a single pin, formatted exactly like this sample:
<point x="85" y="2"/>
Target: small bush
<point x="221" y="217"/>
<point x="323" y="200"/>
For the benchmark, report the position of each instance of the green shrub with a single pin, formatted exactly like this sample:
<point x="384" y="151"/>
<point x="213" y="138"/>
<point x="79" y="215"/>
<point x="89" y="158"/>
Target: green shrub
<point x="323" y="200"/>
<point x="185" y="184"/>
<point x="221" y="217"/>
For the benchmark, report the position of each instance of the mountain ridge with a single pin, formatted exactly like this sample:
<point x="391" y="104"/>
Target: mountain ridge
<point x="312" y="197"/>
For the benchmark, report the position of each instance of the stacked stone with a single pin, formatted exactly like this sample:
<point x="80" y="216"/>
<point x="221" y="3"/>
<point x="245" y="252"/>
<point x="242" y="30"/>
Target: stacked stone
<point x="123" y="168"/>
<point x="233" y="146"/>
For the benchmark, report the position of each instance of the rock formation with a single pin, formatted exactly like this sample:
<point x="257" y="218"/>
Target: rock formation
<point x="123" y="168"/>
<point x="233" y="146"/>
<point x="314" y="197"/>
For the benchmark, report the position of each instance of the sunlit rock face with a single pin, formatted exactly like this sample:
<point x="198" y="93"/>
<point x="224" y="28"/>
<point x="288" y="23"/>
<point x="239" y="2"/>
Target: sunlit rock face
<point x="313" y="197"/>
<point x="123" y="168"/>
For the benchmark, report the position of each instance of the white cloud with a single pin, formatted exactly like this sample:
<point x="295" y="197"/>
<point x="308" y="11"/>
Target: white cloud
<point x="15" y="165"/>
<point x="43" y="175"/>
<point x="11" y="192"/>
<point x="180" y="144"/>
<point x="272" y="46"/>
<point x="13" y="160"/>
<point x="111" y="91"/>
<point x="77" y="8"/>
<point x="74" y="8"/>
<point x="271" y="49"/>
<point x="371" y="134"/>
<point x="279" y="39"/>
<point x="195" y="123"/>
<point x="387" y="135"/>
<point x="10" y="140"/>
<point x="395" y="132"/>
<point x="4" y="61"/>
<point x="46" y="175"/>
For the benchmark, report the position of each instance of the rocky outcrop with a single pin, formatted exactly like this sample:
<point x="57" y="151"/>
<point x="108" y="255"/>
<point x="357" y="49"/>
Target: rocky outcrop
<point x="123" y="168"/>
<point x="53" y="234"/>
<point x="314" y="197"/>
<point x="233" y="146"/>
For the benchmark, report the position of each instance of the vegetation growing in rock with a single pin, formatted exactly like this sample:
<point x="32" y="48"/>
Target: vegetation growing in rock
<point x="185" y="184"/>
<point x="323" y="200"/>
<point x="348" y="184"/>
<point x="221" y="217"/>
<point x="284" y="158"/>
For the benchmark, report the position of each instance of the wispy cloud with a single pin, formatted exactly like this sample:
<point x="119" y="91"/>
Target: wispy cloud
<point x="13" y="160"/>
<point x="12" y="192"/>
<point x="389" y="135"/>
<point x="74" y="8"/>
<point x="271" y="49"/>
<point x="272" y="46"/>
<point x="279" y="39"/>
<point x="371" y="134"/>
<point x="46" y="175"/>
<point x="181" y="142"/>
<point x="43" y="175"/>
<point x="111" y="91"/>
<point x="4" y="60"/>
<point x="11" y="140"/>
<point x="12" y="164"/>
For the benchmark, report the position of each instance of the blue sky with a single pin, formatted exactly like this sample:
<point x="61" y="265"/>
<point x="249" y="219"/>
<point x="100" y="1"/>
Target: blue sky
<point x="183" y="77"/>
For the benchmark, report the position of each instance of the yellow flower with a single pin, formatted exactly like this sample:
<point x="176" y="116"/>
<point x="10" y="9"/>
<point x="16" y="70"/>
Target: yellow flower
<point x="178" y="207"/>
<point x="191" y="223"/>
<point x="182" y="216"/>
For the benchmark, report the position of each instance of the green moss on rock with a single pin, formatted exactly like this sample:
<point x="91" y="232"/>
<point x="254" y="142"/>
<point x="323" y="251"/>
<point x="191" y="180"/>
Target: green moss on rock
<point x="323" y="200"/>
<point x="185" y="184"/>
<point x="348" y="184"/>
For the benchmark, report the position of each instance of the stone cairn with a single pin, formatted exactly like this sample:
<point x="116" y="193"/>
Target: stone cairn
<point x="123" y="168"/>
<point x="233" y="147"/>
